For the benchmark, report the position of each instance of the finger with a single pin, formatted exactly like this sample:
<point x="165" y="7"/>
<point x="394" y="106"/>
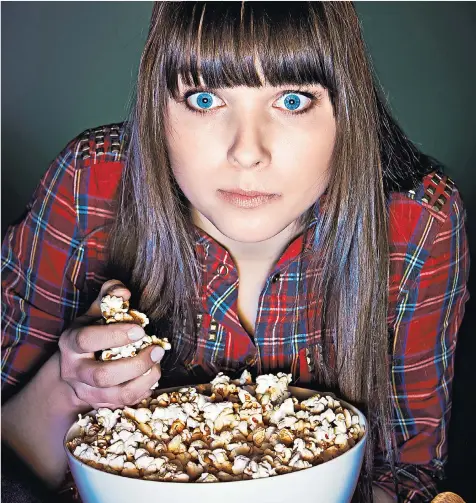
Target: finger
<point x="111" y="287"/>
<point x="113" y="406"/>
<point x="92" y="338"/>
<point x="113" y="373"/>
<point x="128" y="393"/>
<point x="132" y="392"/>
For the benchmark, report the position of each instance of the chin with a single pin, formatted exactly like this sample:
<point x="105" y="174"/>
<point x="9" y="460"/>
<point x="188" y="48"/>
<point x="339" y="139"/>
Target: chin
<point x="247" y="230"/>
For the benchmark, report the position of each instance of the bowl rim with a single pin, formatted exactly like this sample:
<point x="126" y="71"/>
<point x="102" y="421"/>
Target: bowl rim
<point x="361" y="442"/>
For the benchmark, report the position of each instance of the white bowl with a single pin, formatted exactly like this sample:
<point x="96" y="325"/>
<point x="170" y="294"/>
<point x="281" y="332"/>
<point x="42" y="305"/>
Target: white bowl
<point x="331" y="482"/>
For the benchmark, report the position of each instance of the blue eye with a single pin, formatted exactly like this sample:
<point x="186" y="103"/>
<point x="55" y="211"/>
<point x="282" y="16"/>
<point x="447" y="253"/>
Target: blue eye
<point x="290" y="101"/>
<point x="203" y="101"/>
<point x="293" y="102"/>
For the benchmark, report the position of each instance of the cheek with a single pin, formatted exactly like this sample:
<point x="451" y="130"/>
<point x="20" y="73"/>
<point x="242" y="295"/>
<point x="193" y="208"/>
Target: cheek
<point x="193" y="154"/>
<point x="306" y="158"/>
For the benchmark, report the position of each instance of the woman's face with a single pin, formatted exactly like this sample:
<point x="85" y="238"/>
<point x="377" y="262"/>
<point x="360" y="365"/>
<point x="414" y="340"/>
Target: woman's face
<point x="250" y="161"/>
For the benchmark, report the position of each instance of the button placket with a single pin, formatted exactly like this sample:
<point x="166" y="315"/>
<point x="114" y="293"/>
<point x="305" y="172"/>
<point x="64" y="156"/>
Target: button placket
<point x="212" y="332"/>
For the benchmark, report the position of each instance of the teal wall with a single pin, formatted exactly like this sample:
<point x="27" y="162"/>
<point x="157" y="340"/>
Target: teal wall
<point x="68" y="66"/>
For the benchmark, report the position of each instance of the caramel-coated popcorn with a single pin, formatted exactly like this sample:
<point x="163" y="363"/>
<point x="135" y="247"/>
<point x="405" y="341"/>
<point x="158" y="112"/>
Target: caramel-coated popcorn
<point x="116" y="310"/>
<point x="233" y="430"/>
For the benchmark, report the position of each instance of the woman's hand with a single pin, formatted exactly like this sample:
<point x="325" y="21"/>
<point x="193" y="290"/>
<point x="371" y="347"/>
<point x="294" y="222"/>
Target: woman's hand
<point x="113" y="383"/>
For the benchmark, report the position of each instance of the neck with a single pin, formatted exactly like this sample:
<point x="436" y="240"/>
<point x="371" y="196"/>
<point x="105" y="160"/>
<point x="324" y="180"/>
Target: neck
<point x="262" y="252"/>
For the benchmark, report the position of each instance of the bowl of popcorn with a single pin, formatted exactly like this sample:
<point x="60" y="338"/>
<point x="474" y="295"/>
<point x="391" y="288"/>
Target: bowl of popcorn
<point x="230" y="440"/>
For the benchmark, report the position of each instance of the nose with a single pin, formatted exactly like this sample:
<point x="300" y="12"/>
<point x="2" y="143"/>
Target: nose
<point x="248" y="150"/>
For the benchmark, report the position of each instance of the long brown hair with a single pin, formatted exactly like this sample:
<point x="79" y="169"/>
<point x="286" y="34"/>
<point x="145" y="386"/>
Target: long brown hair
<point x="152" y="242"/>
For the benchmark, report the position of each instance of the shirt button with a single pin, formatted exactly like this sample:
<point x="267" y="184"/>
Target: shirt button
<point x="276" y="278"/>
<point x="222" y="270"/>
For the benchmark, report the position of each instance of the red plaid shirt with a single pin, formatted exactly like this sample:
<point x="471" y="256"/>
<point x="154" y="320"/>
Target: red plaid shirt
<point x="53" y="265"/>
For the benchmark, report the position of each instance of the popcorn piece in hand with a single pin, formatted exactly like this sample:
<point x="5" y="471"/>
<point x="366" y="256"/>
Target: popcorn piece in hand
<point x="130" y="350"/>
<point x="116" y="310"/>
<point x="112" y="305"/>
<point x="131" y="316"/>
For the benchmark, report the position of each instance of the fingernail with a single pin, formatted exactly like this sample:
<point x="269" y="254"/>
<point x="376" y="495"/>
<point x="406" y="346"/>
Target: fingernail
<point x="135" y="333"/>
<point x="157" y="354"/>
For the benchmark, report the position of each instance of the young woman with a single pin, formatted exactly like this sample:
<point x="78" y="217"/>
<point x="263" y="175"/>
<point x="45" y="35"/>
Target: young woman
<point x="266" y="212"/>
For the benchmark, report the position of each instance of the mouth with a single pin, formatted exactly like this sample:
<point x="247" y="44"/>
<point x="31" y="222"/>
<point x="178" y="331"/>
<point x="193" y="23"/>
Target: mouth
<point x="247" y="199"/>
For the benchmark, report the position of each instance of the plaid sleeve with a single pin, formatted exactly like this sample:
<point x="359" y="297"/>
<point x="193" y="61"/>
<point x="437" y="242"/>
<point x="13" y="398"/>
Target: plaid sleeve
<point x="42" y="274"/>
<point x="428" y="317"/>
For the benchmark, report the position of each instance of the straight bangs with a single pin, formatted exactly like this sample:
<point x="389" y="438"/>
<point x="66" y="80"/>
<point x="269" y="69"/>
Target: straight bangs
<point x="228" y="44"/>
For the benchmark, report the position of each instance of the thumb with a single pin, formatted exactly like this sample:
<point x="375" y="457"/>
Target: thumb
<point x="111" y="287"/>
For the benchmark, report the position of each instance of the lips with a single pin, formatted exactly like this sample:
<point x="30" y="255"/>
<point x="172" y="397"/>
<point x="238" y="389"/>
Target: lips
<point x="249" y="193"/>
<point x="247" y="199"/>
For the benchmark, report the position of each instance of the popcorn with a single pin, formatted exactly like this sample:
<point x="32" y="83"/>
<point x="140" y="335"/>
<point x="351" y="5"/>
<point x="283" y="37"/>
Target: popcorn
<point x="221" y="380"/>
<point x="239" y="464"/>
<point x="87" y="453"/>
<point x="285" y="409"/>
<point x="259" y="470"/>
<point x="170" y="413"/>
<point x="314" y="404"/>
<point x="107" y="418"/>
<point x="239" y="449"/>
<point x="130" y="350"/>
<point x="207" y="477"/>
<point x="116" y="462"/>
<point x="213" y="410"/>
<point x="237" y="432"/>
<point x="245" y="378"/>
<point x="83" y="421"/>
<point x="116" y="310"/>
<point x="117" y="448"/>
<point x="275" y="386"/>
<point x="111" y="305"/>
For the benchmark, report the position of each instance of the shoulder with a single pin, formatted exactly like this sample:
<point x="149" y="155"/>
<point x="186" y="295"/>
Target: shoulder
<point x="424" y="210"/>
<point x="426" y="232"/>
<point x="100" y="145"/>
<point x="87" y="174"/>
<point x="95" y="160"/>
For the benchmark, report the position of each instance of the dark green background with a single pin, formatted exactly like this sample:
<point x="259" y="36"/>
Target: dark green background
<point x="70" y="66"/>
